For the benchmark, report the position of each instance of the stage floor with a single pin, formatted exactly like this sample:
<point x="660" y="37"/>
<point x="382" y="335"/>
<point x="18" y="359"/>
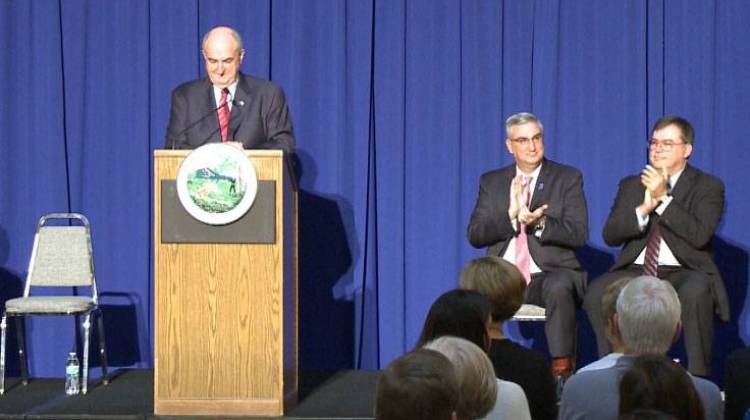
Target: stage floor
<point x="130" y="395"/>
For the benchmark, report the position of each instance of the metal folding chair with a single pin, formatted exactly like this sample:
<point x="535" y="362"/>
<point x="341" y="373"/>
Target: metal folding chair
<point x="61" y="257"/>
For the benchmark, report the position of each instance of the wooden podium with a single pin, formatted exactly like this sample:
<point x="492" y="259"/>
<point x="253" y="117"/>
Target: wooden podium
<point x="226" y="313"/>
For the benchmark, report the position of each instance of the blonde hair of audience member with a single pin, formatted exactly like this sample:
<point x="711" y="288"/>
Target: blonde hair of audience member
<point x="648" y="315"/>
<point x="497" y="280"/>
<point x="609" y="309"/>
<point x="420" y="385"/>
<point x="476" y="376"/>
<point x="656" y="382"/>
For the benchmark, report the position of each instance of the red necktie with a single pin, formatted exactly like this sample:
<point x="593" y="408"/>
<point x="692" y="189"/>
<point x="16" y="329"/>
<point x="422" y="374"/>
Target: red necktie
<point x="651" y="259"/>
<point x="223" y="112"/>
<point x="523" y="258"/>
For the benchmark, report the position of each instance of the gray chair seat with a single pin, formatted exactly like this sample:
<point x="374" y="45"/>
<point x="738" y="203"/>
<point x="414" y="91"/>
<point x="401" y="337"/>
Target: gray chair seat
<point x="529" y="312"/>
<point x="49" y="304"/>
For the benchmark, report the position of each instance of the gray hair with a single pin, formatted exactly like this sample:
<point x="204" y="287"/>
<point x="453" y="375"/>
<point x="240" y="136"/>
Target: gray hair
<point x="234" y="33"/>
<point x="520" y="119"/>
<point x="648" y="313"/>
<point x="476" y="377"/>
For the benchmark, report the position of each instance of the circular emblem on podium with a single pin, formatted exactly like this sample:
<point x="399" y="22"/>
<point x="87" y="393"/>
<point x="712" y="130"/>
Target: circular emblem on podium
<point x="217" y="183"/>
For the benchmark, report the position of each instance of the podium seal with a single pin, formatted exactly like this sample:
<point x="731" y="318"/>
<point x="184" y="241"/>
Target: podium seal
<point x="217" y="184"/>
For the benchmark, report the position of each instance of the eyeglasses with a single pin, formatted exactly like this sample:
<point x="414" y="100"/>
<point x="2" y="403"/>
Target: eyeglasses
<point x="525" y="141"/>
<point x="666" y="145"/>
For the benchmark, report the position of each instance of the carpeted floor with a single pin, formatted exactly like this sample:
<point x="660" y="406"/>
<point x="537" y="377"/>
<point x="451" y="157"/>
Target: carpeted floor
<point x="130" y="395"/>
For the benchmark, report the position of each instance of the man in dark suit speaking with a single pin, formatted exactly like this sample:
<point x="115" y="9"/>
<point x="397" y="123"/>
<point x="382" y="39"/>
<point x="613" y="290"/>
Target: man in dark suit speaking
<point x="533" y="214"/>
<point x="665" y="219"/>
<point x="228" y="106"/>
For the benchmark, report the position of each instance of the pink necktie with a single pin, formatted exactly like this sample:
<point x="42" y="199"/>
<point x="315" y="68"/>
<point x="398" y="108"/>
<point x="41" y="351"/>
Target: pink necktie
<point x="223" y="112"/>
<point x="523" y="258"/>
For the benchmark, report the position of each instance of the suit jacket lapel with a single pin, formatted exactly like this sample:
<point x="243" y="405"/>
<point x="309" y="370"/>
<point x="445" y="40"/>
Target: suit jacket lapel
<point x="242" y="94"/>
<point x="541" y="189"/>
<point x="684" y="183"/>
<point x="211" y="133"/>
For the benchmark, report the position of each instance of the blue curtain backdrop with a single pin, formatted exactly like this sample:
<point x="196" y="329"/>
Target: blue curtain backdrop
<point x="398" y="108"/>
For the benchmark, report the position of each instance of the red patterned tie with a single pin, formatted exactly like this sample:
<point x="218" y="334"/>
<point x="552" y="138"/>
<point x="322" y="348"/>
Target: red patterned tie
<point x="651" y="260"/>
<point x="223" y="112"/>
<point x="523" y="258"/>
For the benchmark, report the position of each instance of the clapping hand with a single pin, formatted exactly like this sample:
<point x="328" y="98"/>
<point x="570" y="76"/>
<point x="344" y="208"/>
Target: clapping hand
<point x="655" y="181"/>
<point x="517" y="198"/>
<point x="518" y="209"/>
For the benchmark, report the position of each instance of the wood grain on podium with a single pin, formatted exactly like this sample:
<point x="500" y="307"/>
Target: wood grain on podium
<point x="219" y="311"/>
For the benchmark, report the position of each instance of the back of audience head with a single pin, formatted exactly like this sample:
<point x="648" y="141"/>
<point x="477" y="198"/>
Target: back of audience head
<point x="648" y="315"/>
<point x="646" y="414"/>
<point x="419" y="385"/>
<point x="460" y="313"/>
<point x="609" y="309"/>
<point x="476" y="376"/>
<point x="499" y="281"/>
<point x="656" y="382"/>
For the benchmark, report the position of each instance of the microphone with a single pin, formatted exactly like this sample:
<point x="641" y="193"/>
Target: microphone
<point x="190" y="126"/>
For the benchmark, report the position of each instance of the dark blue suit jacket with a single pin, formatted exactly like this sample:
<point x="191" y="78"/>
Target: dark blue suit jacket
<point x="260" y="116"/>
<point x="566" y="226"/>
<point x="687" y="226"/>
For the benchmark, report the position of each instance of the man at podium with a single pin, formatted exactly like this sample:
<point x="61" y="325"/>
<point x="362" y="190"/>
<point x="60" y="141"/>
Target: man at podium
<point x="228" y="106"/>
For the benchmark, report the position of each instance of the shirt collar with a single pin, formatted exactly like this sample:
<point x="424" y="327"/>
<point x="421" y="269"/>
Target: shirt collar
<point x="232" y="89"/>
<point x="534" y="175"/>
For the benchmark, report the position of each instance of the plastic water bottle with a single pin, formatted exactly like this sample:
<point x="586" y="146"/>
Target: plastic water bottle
<point x="72" y="377"/>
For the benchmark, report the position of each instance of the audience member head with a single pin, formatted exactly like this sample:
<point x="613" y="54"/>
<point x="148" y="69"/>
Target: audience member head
<point x="476" y="376"/>
<point x="609" y="309"/>
<point x="460" y="313"/>
<point x="421" y="384"/>
<point x="648" y="315"/>
<point x="656" y="382"/>
<point x="497" y="280"/>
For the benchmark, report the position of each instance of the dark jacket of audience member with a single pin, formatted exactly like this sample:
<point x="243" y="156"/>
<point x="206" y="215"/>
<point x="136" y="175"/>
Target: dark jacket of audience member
<point x="737" y="384"/>
<point x="466" y="314"/>
<point x="503" y="285"/>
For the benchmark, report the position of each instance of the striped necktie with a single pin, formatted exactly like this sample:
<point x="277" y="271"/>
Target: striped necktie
<point x="223" y="113"/>
<point x="651" y="259"/>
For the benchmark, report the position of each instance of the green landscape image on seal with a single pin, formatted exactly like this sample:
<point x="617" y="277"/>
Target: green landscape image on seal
<point x="218" y="189"/>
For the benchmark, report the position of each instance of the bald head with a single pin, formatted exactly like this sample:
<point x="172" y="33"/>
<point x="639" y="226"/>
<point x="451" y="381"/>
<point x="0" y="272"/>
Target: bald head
<point x="223" y="53"/>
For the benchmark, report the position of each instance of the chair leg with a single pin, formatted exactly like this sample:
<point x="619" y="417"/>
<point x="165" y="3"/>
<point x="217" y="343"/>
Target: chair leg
<point x="21" y="350"/>
<point x="102" y="347"/>
<point x="3" y="326"/>
<point x="86" y="327"/>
